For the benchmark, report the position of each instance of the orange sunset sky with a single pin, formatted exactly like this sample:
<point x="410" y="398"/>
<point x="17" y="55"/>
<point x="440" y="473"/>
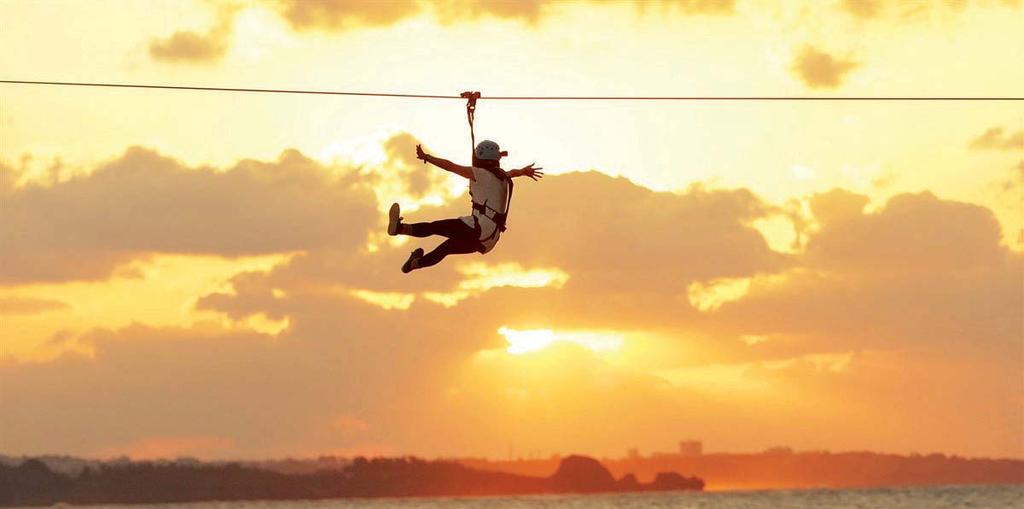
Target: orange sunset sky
<point x="206" y="274"/>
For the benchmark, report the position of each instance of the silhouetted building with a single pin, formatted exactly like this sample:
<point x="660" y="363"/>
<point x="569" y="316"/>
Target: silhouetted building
<point x="691" y="448"/>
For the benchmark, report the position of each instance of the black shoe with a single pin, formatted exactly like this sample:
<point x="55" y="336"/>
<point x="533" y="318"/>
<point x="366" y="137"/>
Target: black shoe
<point x="394" y="220"/>
<point x="415" y="255"/>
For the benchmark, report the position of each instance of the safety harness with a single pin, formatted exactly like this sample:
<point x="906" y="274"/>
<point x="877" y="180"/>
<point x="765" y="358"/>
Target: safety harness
<point x="499" y="218"/>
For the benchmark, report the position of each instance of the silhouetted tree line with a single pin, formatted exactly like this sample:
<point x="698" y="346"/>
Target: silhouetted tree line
<point x="32" y="483"/>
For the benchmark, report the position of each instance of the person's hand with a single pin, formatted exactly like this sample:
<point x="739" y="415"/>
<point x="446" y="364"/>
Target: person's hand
<point x="420" y="154"/>
<point x="532" y="172"/>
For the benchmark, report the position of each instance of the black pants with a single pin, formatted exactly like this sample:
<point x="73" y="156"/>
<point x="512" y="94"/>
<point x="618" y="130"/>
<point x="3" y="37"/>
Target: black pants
<point x="461" y="239"/>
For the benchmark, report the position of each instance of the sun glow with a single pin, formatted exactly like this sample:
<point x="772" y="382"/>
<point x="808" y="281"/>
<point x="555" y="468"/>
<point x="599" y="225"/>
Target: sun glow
<point x="481" y="277"/>
<point x="386" y="300"/>
<point x="484" y="277"/>
<point x="526" y="341"/>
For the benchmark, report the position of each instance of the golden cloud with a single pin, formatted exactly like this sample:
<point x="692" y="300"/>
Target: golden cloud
<point x="912" y="233"/>
<point x="340" y="14"/>
<point x="911" y="9"/>
<point x="863" y="8"/>
<point x="346" y="14"/>
<point x="818" y="69"/>
<point x="194" y="47"/>
<point x="997" y="138"/>
<point x="185" y="46"/>
<point x="83" y="228"/>
<point x="926" y="274"/>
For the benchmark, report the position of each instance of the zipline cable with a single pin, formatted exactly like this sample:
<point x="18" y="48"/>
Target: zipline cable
<point x="519" y="98"/>
<point x="225" y="89"/>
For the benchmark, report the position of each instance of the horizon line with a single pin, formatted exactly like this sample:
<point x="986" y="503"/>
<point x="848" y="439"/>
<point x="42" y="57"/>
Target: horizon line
<point x="782" y="451"/>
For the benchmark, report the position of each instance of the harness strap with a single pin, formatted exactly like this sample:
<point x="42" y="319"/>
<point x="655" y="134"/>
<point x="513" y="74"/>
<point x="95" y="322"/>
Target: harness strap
<point x="498" y="218"/>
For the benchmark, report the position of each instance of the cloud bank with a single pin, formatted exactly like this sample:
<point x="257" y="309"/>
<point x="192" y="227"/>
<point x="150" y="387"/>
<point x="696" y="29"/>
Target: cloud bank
<point x="905" y="313"/>
<point x="83" y="228"/>
<point x="335" y="15"/>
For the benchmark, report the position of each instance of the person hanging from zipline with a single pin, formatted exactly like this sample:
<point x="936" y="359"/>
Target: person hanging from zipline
<point x="490" y="189"/>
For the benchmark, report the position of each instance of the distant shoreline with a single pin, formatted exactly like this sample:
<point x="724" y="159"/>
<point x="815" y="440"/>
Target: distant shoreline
<point x="33" y="483"/>
<point x="42" y="480"/>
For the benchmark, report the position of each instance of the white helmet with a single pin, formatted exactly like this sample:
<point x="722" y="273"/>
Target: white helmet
<point x="488" y="150"/>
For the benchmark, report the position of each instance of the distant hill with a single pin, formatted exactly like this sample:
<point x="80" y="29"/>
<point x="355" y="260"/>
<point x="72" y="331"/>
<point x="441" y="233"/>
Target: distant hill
<point x="32" y="482"/>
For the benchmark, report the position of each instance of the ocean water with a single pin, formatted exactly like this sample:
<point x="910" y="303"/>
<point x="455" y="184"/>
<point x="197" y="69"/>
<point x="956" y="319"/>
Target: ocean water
<point x="985" y="497"/>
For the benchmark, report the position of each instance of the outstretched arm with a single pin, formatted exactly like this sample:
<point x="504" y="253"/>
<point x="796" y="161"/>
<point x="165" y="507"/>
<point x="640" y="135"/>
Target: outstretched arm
<point x="444" y="164"/>
<point x="527" y="171"/>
